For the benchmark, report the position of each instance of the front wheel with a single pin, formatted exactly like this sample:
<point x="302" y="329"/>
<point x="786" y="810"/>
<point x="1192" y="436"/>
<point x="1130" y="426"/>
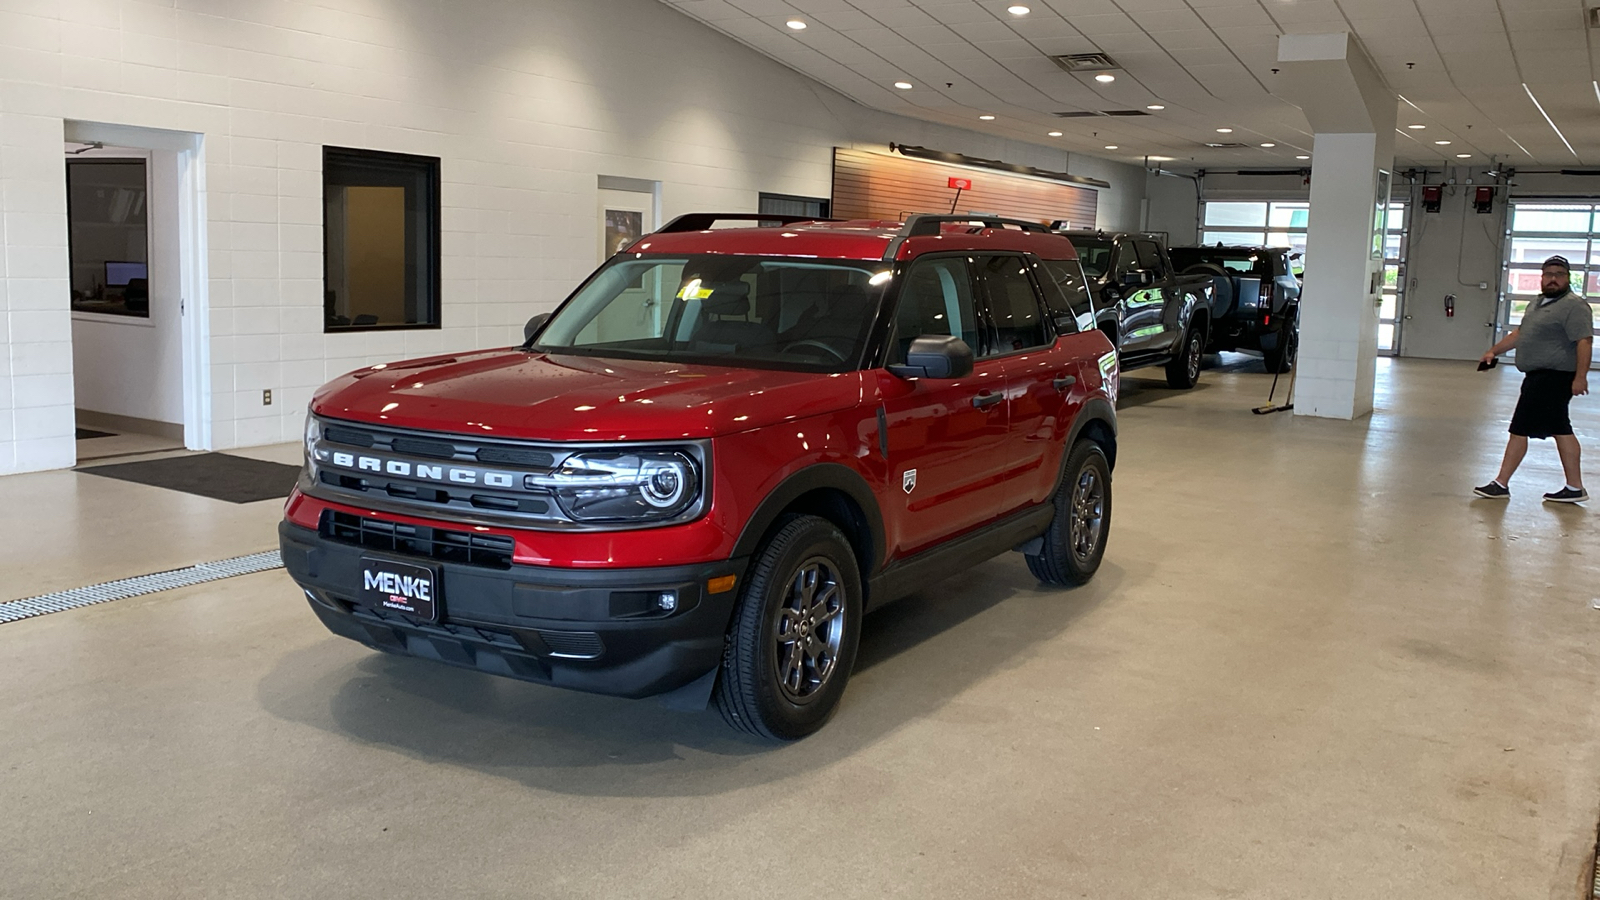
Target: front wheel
<point x="794" y="634"/>
<point x="1072" y="548"/>
<point x="1184" y="370"/>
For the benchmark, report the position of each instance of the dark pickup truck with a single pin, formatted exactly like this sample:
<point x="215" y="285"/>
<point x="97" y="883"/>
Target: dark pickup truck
<point x="1255" y="299"/>
<point x="1153" y="315"/>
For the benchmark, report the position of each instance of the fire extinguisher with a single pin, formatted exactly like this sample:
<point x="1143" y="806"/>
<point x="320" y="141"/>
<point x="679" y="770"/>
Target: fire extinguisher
<point x="1449" y="306"/>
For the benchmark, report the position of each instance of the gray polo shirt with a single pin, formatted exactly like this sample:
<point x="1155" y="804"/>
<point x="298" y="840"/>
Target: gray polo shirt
<point x="1550" y="330"/>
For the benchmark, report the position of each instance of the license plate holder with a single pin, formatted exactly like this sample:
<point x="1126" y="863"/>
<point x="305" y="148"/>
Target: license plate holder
<point x="402" y="587"/>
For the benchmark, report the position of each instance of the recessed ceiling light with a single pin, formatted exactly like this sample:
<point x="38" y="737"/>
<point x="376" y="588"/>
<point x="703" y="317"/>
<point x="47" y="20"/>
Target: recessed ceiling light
<point x="1416" y="127"/>
<point x="796" y="24"/>
<point x="1105" y="78"/>
<point x="1155" y="106"/>
<point x="1159" y="158"/>
<point x="1463" y="156"/>
<point x="903" y="85"/>
<point x="1055" y="134"/>
<point x="1111" y="146"/>
<point x="987" y="118"/>
<point x="1224" y="131"/>
<point x="1018" y="10"/>
<point x="1269" y="145"/>
<point x="1442" y="143"/>
<point x="1302" y="157"/>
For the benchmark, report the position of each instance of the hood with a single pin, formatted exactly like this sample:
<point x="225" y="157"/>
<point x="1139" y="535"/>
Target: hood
<point x="530" y="396"/>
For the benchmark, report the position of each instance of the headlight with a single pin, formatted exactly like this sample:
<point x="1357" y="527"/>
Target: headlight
<point x="313" y="434"/>
<point x="624" y="486"/>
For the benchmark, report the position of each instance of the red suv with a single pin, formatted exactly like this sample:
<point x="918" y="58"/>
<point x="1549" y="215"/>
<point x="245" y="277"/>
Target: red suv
<point x="726" y="446"/>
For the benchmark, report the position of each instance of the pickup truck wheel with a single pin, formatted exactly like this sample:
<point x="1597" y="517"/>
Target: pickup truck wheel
<point x="1071" y="550"/>
<point x="1281" y="357"/>
<point x="794" y="634"/>
<point x="1184" y="370"/>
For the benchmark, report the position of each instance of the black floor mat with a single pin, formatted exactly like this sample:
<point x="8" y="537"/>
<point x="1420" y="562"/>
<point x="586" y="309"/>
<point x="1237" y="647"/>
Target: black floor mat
<point x="215" y="475"/>
<point x="86" y="433"/>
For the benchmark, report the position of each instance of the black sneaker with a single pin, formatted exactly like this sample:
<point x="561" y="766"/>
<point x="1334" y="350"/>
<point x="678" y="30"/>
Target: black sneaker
<point x="1566" y="495"/>
<point x="1494" y="490"/>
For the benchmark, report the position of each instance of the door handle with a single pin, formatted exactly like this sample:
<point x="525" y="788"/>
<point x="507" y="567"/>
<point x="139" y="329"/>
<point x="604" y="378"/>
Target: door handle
<point x="1065" y="382"/>
<point x="986" y="400"/>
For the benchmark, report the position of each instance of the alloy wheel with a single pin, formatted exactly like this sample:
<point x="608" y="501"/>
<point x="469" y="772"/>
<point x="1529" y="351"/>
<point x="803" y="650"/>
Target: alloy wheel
<point x="809" y="629"/>
<point x="1088" y="514"/>
<point x="1195" y="356"/>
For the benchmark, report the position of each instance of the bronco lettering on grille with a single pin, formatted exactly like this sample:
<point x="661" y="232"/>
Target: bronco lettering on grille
<point x="421" y="471"/>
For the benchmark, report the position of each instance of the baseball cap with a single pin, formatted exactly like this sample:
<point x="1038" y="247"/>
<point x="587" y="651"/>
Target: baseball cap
<point x="1558" y="261"/>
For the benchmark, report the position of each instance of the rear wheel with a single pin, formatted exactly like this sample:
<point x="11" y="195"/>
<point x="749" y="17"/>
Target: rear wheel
<point x="1184" y="370"/>
<point x="794" y="634"/>
<point x="1072" y="548"/>
<point x="1281" y="357"/>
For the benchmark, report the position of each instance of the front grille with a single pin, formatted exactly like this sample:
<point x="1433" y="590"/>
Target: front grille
<point x="489" y="550"/>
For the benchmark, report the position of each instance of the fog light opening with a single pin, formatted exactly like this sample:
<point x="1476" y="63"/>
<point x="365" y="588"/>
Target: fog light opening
<point x="667" y="600"/>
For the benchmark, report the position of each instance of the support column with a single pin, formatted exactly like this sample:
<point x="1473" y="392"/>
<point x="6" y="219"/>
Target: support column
<point x="1352" y="113"/>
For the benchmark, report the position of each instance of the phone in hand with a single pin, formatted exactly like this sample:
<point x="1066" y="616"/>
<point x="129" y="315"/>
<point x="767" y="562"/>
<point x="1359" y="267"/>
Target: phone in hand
<point x="1486" y="366"/>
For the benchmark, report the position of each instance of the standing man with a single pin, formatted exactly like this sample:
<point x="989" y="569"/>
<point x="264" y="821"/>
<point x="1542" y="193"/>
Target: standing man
<point x="1553" y="346"/>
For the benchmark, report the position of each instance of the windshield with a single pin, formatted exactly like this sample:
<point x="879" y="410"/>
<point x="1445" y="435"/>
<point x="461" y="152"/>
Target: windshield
<point x="1234" y="261"/>
<point x="809" y="315"/>
<point x="1095" y="255"/>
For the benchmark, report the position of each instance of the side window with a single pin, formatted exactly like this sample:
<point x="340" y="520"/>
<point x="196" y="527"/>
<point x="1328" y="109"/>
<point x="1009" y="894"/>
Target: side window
<point x="1150" y="258"/>
<point x="1127" y="259"/>
<point x="1013" y="305"/>
<point x="936" y="298"/>
<point x="1066" y="295"/>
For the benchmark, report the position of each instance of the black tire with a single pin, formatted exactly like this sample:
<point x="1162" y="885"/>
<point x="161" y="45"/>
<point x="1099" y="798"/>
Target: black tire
<point x="788" y="696"/>
<point x="1063" y="558"/>
<point x="1281" y="357"/>
<point x="1184" y="370"/>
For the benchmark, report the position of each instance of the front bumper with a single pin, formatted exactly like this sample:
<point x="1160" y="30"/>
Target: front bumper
<point x="590" y="630"/>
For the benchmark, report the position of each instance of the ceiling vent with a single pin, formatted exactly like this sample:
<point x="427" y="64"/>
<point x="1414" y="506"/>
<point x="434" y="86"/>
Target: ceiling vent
<point x="1093" y="113"/>
<point x="1085" y="62"/>
<point x="1229" y="146"/>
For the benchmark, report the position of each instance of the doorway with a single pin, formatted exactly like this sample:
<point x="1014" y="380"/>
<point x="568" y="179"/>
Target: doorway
<point x="628" y="211"/>
<point x="137" y="261"/>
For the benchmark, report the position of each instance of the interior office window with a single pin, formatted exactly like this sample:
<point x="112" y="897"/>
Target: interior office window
<point x="380" y="232"/>
<point x="787" y="205"/>
<point x="109" y="236"/>
<point x="1013" y="305"/>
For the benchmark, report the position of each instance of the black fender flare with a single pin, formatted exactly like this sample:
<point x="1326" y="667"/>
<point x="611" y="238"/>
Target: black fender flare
<point x="1095" y="410"/>
<point x="822" y="476"/>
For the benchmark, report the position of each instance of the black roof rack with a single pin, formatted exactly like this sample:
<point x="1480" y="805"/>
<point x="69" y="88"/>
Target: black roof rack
<point x="926" y="225"/>
<point x="703" y="221"/>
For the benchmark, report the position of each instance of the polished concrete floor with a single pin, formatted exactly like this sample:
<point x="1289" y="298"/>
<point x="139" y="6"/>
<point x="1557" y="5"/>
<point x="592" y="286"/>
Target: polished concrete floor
<point x="1310" y="667"/>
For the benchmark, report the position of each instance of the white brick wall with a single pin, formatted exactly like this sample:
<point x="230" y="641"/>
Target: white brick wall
<point x="525" y="103"/>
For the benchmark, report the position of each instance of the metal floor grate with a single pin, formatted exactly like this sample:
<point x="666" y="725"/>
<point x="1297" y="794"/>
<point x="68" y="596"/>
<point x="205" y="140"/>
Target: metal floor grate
<point x="122" y="589"/>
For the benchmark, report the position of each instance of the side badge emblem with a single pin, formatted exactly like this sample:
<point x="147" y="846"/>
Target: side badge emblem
<point x="909" y="480"/>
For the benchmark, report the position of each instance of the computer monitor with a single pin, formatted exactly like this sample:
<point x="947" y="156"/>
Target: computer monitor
<point x="118" y="273"/>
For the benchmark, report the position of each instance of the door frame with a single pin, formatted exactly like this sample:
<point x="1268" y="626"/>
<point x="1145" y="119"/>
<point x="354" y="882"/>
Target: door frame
<point x="193" y="270"/>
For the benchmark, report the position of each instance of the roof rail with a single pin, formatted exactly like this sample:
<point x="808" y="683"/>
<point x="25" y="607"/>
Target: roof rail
<point x="703" y="221"/>
<point x="927" y="225"/>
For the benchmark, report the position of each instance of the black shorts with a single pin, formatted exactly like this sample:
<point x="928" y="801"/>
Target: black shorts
<point x="1542" y="409"/>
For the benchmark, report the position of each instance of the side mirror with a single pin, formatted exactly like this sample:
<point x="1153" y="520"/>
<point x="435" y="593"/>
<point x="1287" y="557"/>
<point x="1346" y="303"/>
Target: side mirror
<point x="1139" y="279"/>
<point x="936" y="356"/>
<point x="533" y="326"/>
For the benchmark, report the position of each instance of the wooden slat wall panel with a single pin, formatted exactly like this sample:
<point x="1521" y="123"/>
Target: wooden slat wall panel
<point x="870" y="185"/>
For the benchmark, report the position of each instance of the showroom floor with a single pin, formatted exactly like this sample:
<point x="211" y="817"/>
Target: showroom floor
<point x="1310" y="667"/>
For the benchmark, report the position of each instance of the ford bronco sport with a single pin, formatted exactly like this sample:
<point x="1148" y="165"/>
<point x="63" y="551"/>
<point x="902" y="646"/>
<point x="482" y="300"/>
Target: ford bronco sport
<point x="727" y="445"/>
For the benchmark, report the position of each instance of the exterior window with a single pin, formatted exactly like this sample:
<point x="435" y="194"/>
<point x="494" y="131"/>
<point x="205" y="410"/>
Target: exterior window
<point x="1067" y="296"/>
<point x="108" y="230"/>
<point x="380" y="231"/>
<point x="936" y="299"/>
<point x="1013" y="305"/>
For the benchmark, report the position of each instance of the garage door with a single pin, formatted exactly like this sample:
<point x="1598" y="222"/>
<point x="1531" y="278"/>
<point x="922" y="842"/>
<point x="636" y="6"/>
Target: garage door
<point x="1538" y="231"/>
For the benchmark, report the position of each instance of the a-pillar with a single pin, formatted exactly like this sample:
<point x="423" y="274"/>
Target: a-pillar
<point x="1352" y="113"/>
